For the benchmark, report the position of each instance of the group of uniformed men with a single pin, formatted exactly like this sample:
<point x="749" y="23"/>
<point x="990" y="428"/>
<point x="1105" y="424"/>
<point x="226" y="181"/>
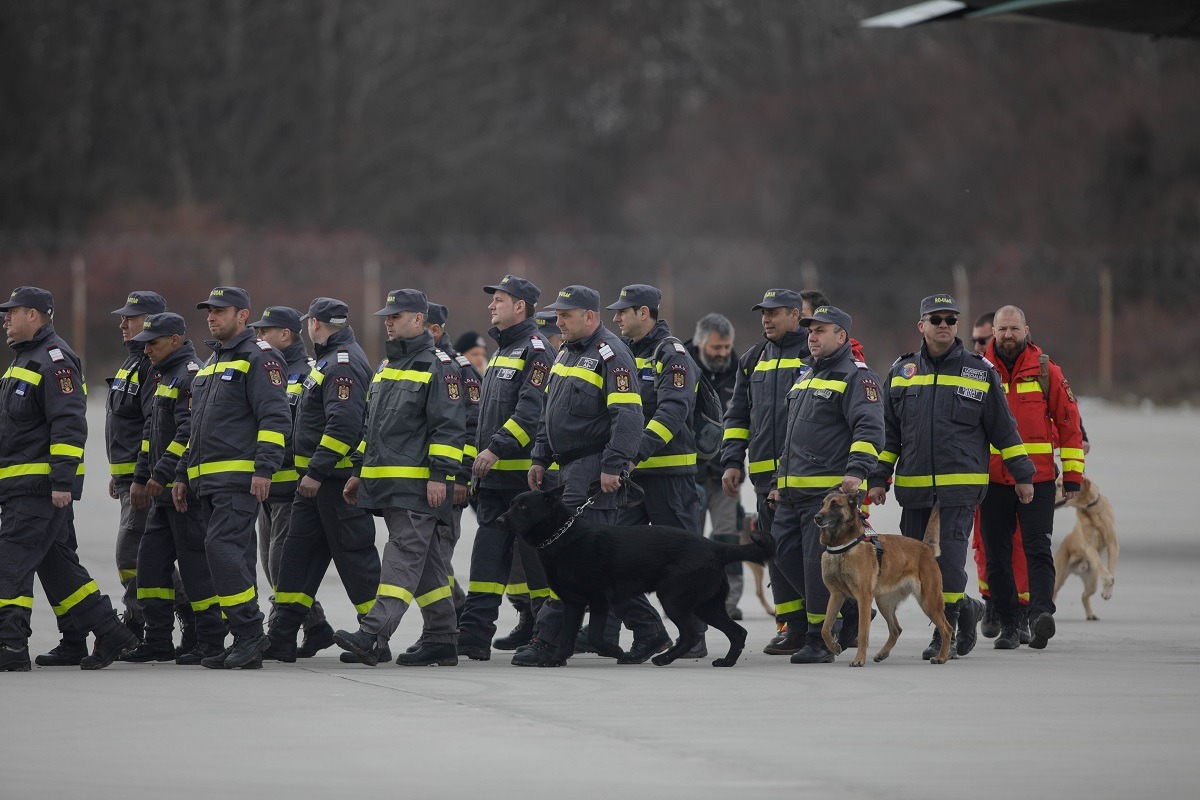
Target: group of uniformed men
<point x="310" y="449"/>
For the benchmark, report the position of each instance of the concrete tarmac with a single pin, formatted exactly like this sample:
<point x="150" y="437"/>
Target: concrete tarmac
<point x="1106" y="711"/>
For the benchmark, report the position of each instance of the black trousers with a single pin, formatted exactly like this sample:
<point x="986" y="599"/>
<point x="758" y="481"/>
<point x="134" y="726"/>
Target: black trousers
<point x="229" y="546"/>
<point x="789" y="601"/>
<point x="170" y="537"/>
<point x="798" y="551"/>
<point x="998" y="516"/>
<point x="957" y="523"/>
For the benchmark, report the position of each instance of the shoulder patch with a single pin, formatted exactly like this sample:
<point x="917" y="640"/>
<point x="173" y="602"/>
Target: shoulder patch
<point x="870" y="390"/>
<point x="538" y="375"/>
<point x="343" y="357"/>
<point x="908" y="370"/>
<point x="984" y="360"/>
<point x="536" y="343"/>
<point x="678" y="375"/>
<point x="1067" y="388"/>
<point x="462" y="360"/>
<point x="441" y="355"/>
<point x="192" y="366"/>
<point x="56" y="354"/>
<point x="66" y="380"/>
<point x="263" y="345"/>
<point x="452" y="385"/>
<point x="861" y="364"/>
<point x="974" y="374"/>
<point x="606" y="352"/>
<point x="274" y="372"/>
<point x="621" y="376"/>
<point x="679" y="348"/>
<point x="342" y="384"/>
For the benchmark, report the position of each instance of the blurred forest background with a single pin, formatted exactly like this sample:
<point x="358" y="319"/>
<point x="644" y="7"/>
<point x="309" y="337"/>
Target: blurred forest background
<point x="714" y="147"/>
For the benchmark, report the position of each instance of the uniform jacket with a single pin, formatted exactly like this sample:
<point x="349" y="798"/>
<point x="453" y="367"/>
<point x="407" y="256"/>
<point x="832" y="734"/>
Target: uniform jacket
<point x="667" y="385"/>
<point x="470" y="382"/>
<point x="130" y="398"/>
<point x="756" y="422"/>
<point x="333" y="404"/>
<point x="297" y="366"/>
<point x="415" y="428"/>
<point x="241" y="420"/>
<point x="834" y="426"/>
<point x="514" y="397"/>
<point x="169" y="422"/>
<point x="43" y="424"/>
<point x="940" y="416"/>
<point x="592" y="405"/>
<point x="724" y="383"/>
<point x="1042" y="421"/>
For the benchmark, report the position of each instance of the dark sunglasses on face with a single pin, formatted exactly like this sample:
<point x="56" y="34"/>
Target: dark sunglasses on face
<point x="937" y="319"/>
<point x="981" y="339"/>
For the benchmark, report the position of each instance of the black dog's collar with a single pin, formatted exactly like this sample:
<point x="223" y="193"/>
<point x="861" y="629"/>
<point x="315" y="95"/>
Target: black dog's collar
<point x="1094" y="502"/>
<point x="841" y="548"/>
<point x="559" y="533"/>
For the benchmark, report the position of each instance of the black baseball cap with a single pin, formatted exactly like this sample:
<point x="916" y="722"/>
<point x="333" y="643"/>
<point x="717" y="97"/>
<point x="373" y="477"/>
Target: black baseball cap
<point x="547" y="322"/>
<point x="226" y="296"/>
<point x="399" y="300"/>
<point x="279" y="317"/>
<point x="938" y="302"/>
<point x="829" y="314"/>
<point x="328" y="309"/>
<point x="138" y="303"/>
<point x="637" y="295"/>
<point x="518" y="287"/>
<point x="438" y="314"/>
<point x="779" y="298"/>
<point x="164" y="324"/>
<point x="30" y="297"/>
<point x="576" y="297"/>
<point x="468" y="340"/>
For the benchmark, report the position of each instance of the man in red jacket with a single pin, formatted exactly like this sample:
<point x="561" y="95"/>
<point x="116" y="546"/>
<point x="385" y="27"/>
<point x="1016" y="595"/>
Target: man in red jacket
<point x="1046" y="415"/>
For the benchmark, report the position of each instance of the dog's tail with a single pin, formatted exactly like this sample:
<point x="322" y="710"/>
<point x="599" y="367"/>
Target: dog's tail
<point x="760" y="548"/>
<point x="933" y="531"/>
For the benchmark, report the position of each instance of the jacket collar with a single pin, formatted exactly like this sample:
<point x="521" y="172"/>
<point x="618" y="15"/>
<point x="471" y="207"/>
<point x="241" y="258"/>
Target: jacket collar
<point x="338" y="339"/>
<point x="43" y="335"/>
<point x="185" y="353"/>
<point x="826" y="362"/>
<point x="403" y="348"/>
<point x="647" y="343"/>
<point x="513" y="333"/>
<point x="136" y="349"/>
<point x="587" y="342"/>
<point x="1026" y="363"/>
<point x="296" y="351"/>
<point x="233" y="343"/>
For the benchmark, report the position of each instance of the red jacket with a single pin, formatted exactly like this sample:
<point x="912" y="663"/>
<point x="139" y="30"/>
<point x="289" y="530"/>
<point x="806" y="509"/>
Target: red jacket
<point x="1044" y="422"/>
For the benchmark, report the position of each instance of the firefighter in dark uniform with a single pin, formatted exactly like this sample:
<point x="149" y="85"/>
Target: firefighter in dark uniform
<point x="406" y="468"/>
<point x="834" y="434"/>
<point x="323" y="527"/>
<point x="43" y="427"/>
<point x="592" y="428"/>
<point x="171" y="536"/>
<point x="756" y="423"/>
<point x="944" y="406"/>
<point x="510" y="410"/>
<point x="240" y="429"/>
<point x="280" y="327"/>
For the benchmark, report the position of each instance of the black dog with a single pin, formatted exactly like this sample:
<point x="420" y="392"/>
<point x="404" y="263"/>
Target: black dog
<point x="590" y="565"/>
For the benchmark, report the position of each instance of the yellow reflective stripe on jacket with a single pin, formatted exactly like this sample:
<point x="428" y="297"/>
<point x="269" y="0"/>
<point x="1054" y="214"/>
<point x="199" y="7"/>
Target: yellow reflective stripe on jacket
<point x="440" y="593"/>
<point x="778" y="363"/>
<point x="285" y="476"/>
<point x="507" y="361"/>
<point x="215" y="467"/>
<point x="821" y="383"/>
<point x="642" y="363"/>
<point x="317" y="376"/>
<point x="145" y="446"/>
<point x="470" y="451"/>
<point x="948" y="479"/>
<point x="658" y="462"/>
<point x="75" y="598"/>
<point x="151" y="593"/>
<point x="167" y="391"/>
<point x="272" y="437"/>
<point x="395" y="472"/>
<point x="122" y="468"/>
<point x="294" y="597"/>
<point x="579" y="372"/>
<point x="389" y="374"/>
<point x="808" y="481"/>
<point x="625" y="397"/>
<point x="1072" y="466"/>
<point x="27" y="375"/>
<point x="736" y="433"/>
<point x="1013" y="452"/>
<point x="222" y="366"/>
<point x="388" y="590"/>
<point x="126" y="574"/>
<point x="517" y="431"/>
<point x="1031" y="448"/>
<point x="304" y="461"/>
<point x="295" y="388"/>
<point x="888" y="457"/>
<point x="513" y="464"/>
<point x="864" y="447"/>
<point x="66" y="450"/>
<point x="1070" y="452"/>
<point x="766" y="465"/>
<point x="942" y="380"/>
<point x="20" y="470"/>
<point x="447" y="451"/>
<point x="547" y="592"/>
<point x="1026" y="387"/>
<point x="176" y="448"/>
<point x="485" y="587"/>
<point x="660" y="430"/>
<point x="20" y="602"/>
<point x="336" y="445"/>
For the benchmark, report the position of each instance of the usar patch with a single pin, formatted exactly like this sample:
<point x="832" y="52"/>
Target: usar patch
<point x="871" y="390"/>
<point x="66" y="380"/>
<point x="621" y="377"/>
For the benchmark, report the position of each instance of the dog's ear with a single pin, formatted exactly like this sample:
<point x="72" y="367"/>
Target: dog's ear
<point x="557" y="492"/>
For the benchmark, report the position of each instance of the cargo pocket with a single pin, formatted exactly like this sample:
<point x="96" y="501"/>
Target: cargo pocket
<point x="356" y="527"/>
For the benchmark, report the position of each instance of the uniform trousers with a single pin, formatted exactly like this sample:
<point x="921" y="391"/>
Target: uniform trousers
<point x="228" y="519"/>
<point x="956" y="523"/>
<point x="274" y="520"/>
<point x="172" y="537"/>
<point x="998" y="516"/>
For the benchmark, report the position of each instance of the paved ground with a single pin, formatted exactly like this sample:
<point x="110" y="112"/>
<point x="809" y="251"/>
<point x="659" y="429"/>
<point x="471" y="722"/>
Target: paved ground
<point x="1106" y="711"/>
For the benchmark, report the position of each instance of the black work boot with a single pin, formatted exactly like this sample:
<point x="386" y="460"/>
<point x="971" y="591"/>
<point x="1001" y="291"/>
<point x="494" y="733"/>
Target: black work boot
<point x="187" y="630"/>
<point x="428" y="655"/>
<point x="814" y="650"/>
<point x="281" y="646"/>
<point x="1009" y="638"/>
<point x="109" y="647"/>
<point x="385" y="654"/>
<point x="246" y="649"/>
<point x="196" y="656"/>
<point x="151" y="650"/>
<point x="646" y="646"/>
<point x="1043" y="630"/>
<point x="135" y="626"/>
<point x="847" y="638"/>
<point x="363" y="645"/>
<point x="969" y="610"/>
<point x="66" y="654"/>
<point x="537" y="654"/>
<point x="316" y="639"/>
<point x="474" y="648"/>
<point x="1023" y="625"/>
<point x="935" y="647"/>
<point x="989" y="623"/>
<point x="14" y="659"/>
<point x="521" y="634"/>
<point x="790" y="643"/>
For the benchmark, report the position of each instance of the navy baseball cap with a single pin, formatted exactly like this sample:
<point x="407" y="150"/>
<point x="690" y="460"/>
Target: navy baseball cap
<point x="399" y="300"/>
<point x="279" y="317"/>
<point x="468" y="340"/>
<point x="226" y="296"/>
<point x="637" y="295"/>
<point x="831" y="314"/>
<point x="576" y="297"/>
<point x="438" y="314"/>
<point x="517" y="287"/>
<point x="164" y="324"/>
<point x="547" y="322"/>
<point x="138" y="303"/>
<point x="30" y="297"/>
<point x="938" y="302"/>
<point x="328" y="309"/>
<point x="779" y="298"/>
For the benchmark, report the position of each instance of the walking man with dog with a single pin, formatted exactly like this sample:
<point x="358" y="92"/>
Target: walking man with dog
<point x="592" y="429"/>
<point x="834" y="435"/>
<point x="1046" y="416"/>
<point x="944" y="406"/>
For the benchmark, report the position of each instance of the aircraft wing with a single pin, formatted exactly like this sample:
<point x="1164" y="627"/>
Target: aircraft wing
<point x="1176" y="18"/>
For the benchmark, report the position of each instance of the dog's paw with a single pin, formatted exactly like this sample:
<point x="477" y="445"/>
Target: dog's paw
<point x="936" y="660"/>
<point x="661" y="660"/>
<point x="834" y="648"/>
<point x="1106" y="592"/>
<point x="724" y="662"/>
<point x="857" y="663"/>
<point x="880" y="657"/>
<point x="1092" y="617"/>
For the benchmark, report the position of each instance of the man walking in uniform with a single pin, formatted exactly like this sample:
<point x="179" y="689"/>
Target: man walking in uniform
<point x="240" y="429"/>
<point x="407" y="465"/>
<point x="944" y="405"/>
<point x="43" y="427"/>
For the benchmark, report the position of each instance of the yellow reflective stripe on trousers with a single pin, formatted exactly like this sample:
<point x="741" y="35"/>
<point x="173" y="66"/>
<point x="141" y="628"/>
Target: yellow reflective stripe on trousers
<point x="949" y="479"/>
<point x="19" y="602"/>
<point x="151" y="593"/>
<point x="778" y="363"/>
<point x="767" y="465"/>
<point x="365" y="608"/>
<point x="736" y="433"/>
<point x="808" y="481"/>
<point x="950" y="598"/>
<point x="658" y="462"/>
<point x="517" y="588"/>
<point x="485" y="587"/>
<point x="123" y="468"/>
<point x="790" y="607"/>
<point x="507" y="361"/>
<point x="217" y="467"/>
<point x="632" y="398"/>
<point x="547" y="592"/>
<point x="75" y="598"/>
<point x="815" y="619"/>
<point x="126" y="574"/>
<point x="271" y="436"/>
<point x="336" y="445"/>
<point x="440" y="593"/>
<point x="517" y="432"/>
<point x="27" y="375"/>
<point x="294" y="597"/>
<point x="864" y="447"/>
<point x="395" y="472"/>
<point x="387" y="590"/>
<point x="66" y="450"/>
<point x="205" y="604"/>
<point x="660" y="430"/>
<point x="228" y="600"/>
<point x="582" y="374"/>
<point x="304" y="461"/>
<point x="19" y="470"/>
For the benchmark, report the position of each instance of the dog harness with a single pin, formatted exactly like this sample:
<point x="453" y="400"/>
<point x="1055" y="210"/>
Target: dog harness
<point x="871" y="537"/>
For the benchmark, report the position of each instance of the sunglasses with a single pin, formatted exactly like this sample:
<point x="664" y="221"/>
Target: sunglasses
<point x="981" y="339"/>
<point x="937" y="319"/>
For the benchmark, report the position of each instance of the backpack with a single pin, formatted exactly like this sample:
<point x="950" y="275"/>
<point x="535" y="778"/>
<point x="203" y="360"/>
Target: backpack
<point x="707" y="428"/>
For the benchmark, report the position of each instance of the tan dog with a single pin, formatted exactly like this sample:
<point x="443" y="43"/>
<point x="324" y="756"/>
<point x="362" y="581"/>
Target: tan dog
<point x="886" y="569"/>
<point x="758" y="570"/>
<point x="1095" y="533"/>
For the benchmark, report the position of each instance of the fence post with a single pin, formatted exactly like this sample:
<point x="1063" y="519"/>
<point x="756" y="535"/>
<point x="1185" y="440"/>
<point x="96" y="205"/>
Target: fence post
<point x="962" y="293"/>
<point x="372" y="294"/>
<point x="1106" y="332"/>
<point x="79" y="307"/>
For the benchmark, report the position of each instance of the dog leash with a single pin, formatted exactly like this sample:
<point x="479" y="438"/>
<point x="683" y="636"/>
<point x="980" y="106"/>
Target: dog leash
<point x="566" y="527"/>
<point x="626" y="485"/>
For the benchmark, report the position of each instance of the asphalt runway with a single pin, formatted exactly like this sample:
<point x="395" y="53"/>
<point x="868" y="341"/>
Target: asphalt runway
<point x="1107" y="710"/>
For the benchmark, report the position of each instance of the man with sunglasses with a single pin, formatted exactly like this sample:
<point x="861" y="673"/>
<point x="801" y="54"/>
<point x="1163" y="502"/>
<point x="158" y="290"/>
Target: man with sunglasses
<point x="944" y="406"/>
<point x="982" y="334"/>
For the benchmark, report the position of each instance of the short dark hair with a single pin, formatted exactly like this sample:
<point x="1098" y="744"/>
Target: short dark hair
<point x="653" y="313"/>
<point x="986" y="319"/>
<point x="815" y="297"/>
<point x="530" y="308"/>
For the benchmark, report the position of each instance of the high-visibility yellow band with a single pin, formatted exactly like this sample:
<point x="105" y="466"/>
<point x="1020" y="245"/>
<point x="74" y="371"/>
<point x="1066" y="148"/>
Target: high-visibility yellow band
<point x="517" y="432"/>
<point x="388" y="590"/>
<point x="778" y="363"/>
<point x="271" y="436"/>
<point x="78" y="595"/>
<point x="150" y="593"/>
<point x="304" y="461"/>
<point x="167" y="392"/>
<point x="1070" y="452"/>
<point x="66" y="450"/>
<point x="1028" y="387"/>
<point x="766" y="465"/>
<point x="507" y="361"/>
<point x="440" y="593"/>
<point x="317" y="376"/>
<point x="205" y="604"/>
<point x="222" y="366"/>
<point x="19" y="470"/>
<point x="815" y="619"/>
<point x="126" y="574"/>
<point x="19" y="602"/>
<point x="176" y="448"/>
<point x="578" y="372"/>
<point x="547" y="592"/>
<point x="517" y="588"/>
<point x="983" y="585"/>
<point x="736" y="433"/>
<point x="123" y="468"/>
<point x="821" y="383"/>
<point x="625" y="397"/>
<point x="337" y="446"/>
<point x="950" y="598"/>
<point x="790" y="607"/>
<point x="389" y="374"/>
<point x="395" y="472"/>
<point x="27" y="375"/>
<point x="660" y="430"/>
<point x="1072" y="466"/>
<point x="864" y="447"/>
<point x="1031" y="448"/>
<point x="642" y="363"/>
<point x="228" y="600"/>
<point x="658" y="462"/>
<point x="513" y="464"/>
<point x="888" y="456"/>
<point x="808" y="481"/>
<point x="941" y="380"/>
<point x="470" y="451"/>
<point x="294" y="597"/>
<point x="295" y="388"/>
<point x="215" y="467"/>
<point x="1013" y="452"/>
<point x="948" y="479"/>
<point x="365" y="608"/>
<point x="285" y="476"/>
<point x="485" y="587"/>
<point x="446" y="451"/>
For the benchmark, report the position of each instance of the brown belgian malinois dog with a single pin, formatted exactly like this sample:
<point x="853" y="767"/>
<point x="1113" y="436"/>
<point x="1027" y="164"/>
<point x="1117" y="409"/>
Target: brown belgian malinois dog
<point x="886" y="569"/>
